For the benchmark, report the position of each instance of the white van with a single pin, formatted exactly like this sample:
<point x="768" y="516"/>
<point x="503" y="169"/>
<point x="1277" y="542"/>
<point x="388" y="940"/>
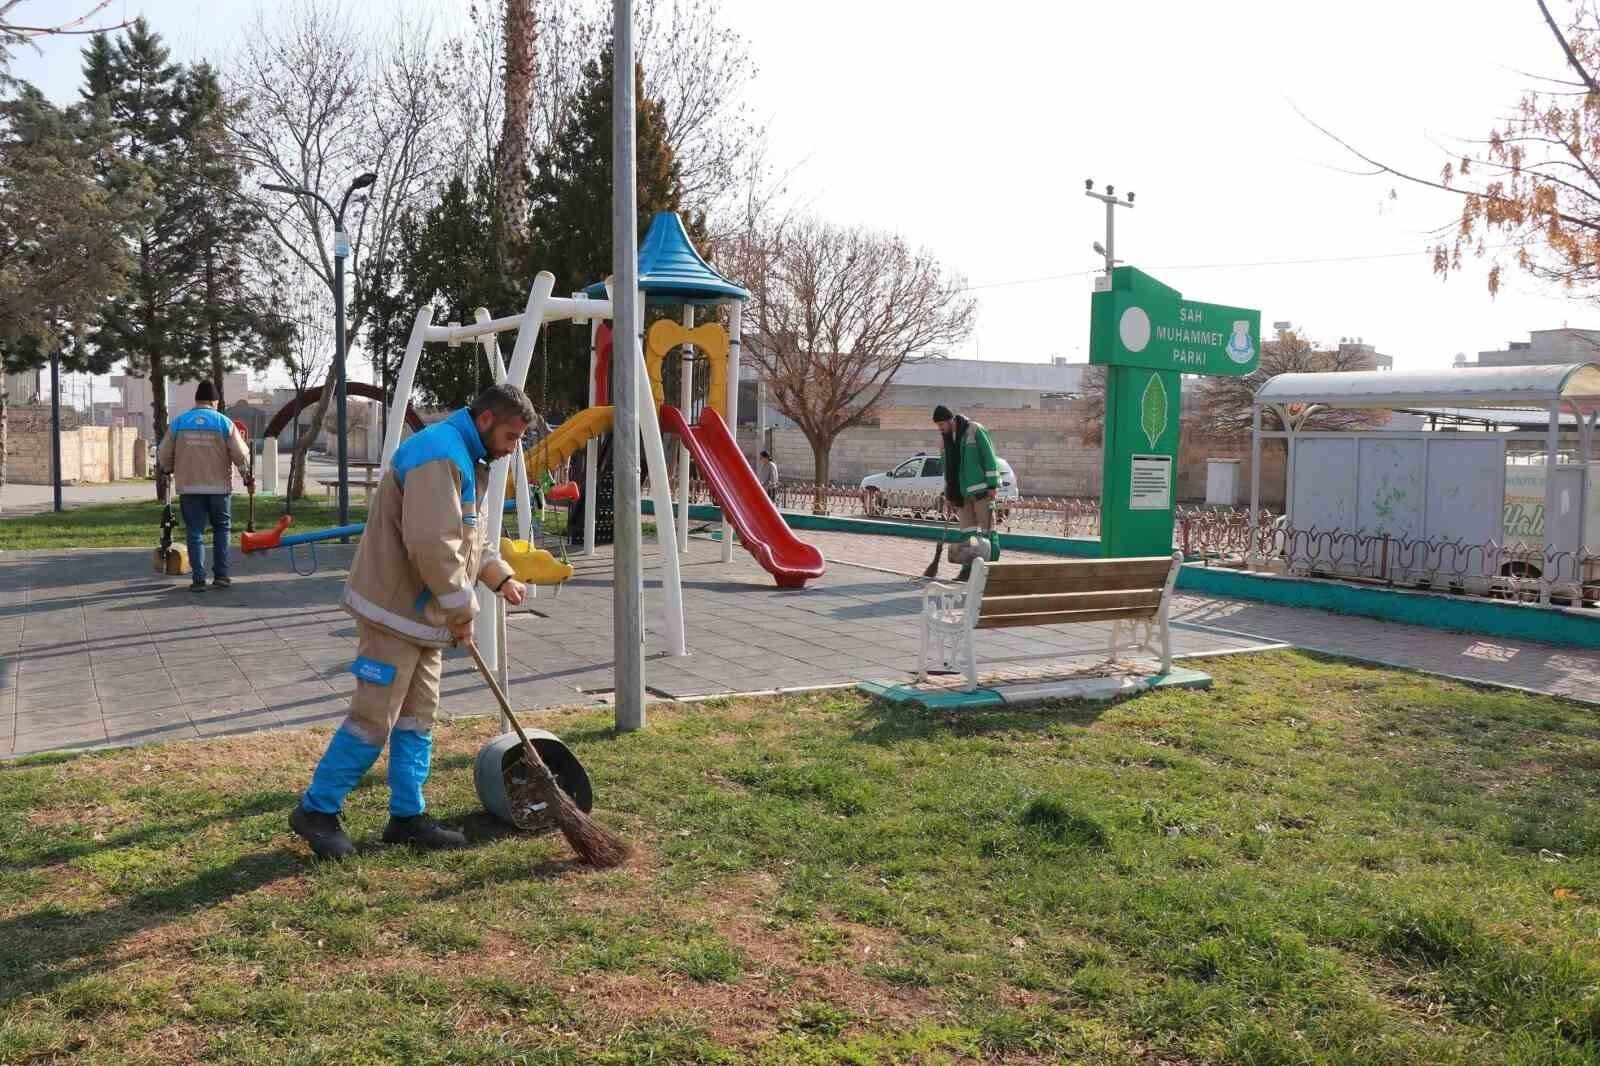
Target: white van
<point x="907" y="485"/>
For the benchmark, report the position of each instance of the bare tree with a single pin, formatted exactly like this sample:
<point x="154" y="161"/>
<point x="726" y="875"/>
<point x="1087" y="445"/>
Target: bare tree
<point x="14" y="32"/>
<point x="307" y="309"/>
<point x="1531" y="186"/>
<point x="837" y="312"/>
<point x="1224" y="403"/>
<point x="326" y="101"/>
<point x="695" y="64"/>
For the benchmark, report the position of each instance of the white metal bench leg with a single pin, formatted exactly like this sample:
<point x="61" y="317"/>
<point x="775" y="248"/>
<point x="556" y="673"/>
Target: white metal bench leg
<point x="1111" y="647"/>
<point x="922" y="658"/>
<point x="972" y="660"/>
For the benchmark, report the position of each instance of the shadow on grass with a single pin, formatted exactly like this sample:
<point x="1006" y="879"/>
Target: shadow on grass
<point x="886" y="723"/>
<point x="46" y="948"/>
<point x="166" y="832"/>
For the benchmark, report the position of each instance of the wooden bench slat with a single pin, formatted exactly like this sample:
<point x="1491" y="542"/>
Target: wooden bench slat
<point x="1115" y="569"/>
<point x="1148" y="599"/>
<point x="1022" y="585"/>
<point x="1002" y="621"/>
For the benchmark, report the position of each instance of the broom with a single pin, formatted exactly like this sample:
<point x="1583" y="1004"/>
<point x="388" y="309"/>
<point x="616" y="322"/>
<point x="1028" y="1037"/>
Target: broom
<point x="594" y="843"/>
<point x="938" y="553"/>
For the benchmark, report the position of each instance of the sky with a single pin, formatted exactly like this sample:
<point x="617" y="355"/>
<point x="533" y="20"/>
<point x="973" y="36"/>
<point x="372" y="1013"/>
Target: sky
<point x="970" y="129"/>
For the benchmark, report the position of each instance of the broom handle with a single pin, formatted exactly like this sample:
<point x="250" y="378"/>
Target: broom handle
<point x="505" y="706"/>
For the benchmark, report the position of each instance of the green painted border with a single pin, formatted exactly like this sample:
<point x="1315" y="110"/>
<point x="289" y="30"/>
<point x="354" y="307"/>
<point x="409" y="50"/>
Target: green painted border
<point x="1464" y="614"/>
<point x="1180" y="677"/>
<point x="932" y="699"/>
<point x="1468" y="614"/>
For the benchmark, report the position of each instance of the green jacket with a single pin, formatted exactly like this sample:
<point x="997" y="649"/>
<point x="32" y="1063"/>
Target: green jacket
<point x="969" y="462"/>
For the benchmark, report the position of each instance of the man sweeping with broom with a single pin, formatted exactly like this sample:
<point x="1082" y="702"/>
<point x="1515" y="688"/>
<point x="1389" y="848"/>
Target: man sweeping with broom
<point x="971" y="479"/>
<point x="411" y="590"/>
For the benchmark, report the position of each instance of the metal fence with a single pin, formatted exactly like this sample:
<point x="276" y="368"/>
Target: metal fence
<point x="1523" y="572"/>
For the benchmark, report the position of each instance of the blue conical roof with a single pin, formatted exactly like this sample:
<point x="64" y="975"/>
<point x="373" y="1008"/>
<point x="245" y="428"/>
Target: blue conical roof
<point x="671" y="271"/>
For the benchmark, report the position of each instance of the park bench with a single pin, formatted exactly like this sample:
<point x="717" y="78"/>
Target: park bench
<point x="1134" y="591"/>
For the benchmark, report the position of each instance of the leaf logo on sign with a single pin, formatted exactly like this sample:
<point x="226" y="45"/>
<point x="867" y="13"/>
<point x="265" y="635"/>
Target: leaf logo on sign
<point x="1153" y="409"/>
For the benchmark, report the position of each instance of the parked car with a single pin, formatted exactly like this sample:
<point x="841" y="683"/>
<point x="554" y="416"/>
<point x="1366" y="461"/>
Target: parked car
<point x="916" y="483"/>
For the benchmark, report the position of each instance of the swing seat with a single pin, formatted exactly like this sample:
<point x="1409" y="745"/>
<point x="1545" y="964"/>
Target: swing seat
<point x="535" y="566"/>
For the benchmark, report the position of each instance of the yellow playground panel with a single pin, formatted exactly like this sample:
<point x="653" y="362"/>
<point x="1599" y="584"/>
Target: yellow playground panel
<point x="710" y="338"/>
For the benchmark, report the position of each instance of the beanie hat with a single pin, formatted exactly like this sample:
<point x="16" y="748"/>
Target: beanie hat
<point x="205" y="392"/>
<point x="942" y="414"/>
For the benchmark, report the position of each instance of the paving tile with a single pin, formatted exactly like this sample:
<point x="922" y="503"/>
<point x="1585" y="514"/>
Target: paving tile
<point x="114" y="682"/>
<point x="148" y="729"/>
<point x="78" y="694"/>
<point x="256" y="722"/>
<point x="57" y="738"/>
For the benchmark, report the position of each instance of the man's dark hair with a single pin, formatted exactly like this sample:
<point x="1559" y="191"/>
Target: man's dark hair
<point x="505" y="402"/>
<point x="766" y="455"/>
<point x="205" y="392"/>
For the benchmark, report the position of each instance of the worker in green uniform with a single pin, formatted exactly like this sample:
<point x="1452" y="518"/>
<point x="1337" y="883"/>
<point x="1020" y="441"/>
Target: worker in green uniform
<point x="971" y="482"/>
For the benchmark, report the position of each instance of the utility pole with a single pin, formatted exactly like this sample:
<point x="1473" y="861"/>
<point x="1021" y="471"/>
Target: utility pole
<point x="55" y="424"/>
<point x="628" y="582"/>
<point x="1109" y="198"/>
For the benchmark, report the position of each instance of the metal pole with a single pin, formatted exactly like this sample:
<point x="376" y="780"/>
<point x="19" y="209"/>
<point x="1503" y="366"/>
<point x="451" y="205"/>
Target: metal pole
<point x="1254" y="557"/>
<point x="735" y="321"/>
<point x="1552" y="449"/>
<point x="591" y="452"/>
<point x="628" y="585"/>
<point x="686" y="402"/>
<point x="55" y="424"/>
<point x="341" y="248"/>
<point x="1111" y="240"/>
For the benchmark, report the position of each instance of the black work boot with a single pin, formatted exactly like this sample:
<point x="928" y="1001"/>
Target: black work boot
<point x="323" y="832"/>
<point x="423" y="831"/>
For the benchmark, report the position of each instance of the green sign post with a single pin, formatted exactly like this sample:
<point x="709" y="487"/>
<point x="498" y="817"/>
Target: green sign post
<point x="1147" y="337"/>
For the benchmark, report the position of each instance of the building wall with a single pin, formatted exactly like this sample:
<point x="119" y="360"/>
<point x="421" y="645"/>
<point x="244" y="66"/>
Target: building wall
<point x="1542" y="347"/>
<point x="89" y="454"/>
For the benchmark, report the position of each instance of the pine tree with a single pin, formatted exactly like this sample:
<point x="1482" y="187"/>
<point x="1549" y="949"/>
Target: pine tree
<point x="446" y="258"/>
<point x="139" y="92"/>
<point x="62" y="251"/>
<point x="227" y="314"/>
<point x="571" y="206"/>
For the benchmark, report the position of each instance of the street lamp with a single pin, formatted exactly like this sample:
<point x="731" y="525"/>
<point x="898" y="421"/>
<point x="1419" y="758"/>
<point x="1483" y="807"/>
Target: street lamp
<point x="341" y="251"/>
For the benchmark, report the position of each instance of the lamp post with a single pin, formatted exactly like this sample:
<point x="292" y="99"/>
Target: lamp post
<point x="341" y="251"/>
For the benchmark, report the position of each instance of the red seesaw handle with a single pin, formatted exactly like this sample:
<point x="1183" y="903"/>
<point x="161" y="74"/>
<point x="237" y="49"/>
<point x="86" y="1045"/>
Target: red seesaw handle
<point x="255" y="542"/>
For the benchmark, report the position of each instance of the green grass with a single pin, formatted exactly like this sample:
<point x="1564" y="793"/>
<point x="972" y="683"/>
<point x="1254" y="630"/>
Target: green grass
<point x="137" y="524"/>
<point x="1314" y="862"/>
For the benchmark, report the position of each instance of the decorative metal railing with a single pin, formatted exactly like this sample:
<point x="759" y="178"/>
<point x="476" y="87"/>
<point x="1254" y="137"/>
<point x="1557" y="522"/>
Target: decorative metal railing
<point x="1520" y="571"/>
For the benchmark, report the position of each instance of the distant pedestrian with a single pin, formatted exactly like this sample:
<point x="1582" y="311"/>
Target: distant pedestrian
<point x="971" y="480"/>
<point x="767" y="471"/>
<point x="200" y="447"/>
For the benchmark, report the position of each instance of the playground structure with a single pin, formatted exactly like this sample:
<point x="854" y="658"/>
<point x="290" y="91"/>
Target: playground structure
<point x="671" y="272"/>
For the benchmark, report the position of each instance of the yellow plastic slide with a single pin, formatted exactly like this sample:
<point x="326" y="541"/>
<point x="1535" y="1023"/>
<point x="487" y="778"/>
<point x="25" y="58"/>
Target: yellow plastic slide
<point x="568" y="438"/>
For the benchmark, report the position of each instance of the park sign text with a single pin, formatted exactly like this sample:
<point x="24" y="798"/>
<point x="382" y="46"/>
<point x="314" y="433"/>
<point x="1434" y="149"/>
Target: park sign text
<point x="1148" y="336"/>
<point x="1141" y="322"/>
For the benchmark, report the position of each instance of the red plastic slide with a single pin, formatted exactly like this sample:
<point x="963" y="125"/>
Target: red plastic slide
<point x="762" y="529"/>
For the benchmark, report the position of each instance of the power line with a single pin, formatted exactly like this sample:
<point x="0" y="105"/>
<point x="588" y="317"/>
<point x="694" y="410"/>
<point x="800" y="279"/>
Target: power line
<point x="1209" y="266"/>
